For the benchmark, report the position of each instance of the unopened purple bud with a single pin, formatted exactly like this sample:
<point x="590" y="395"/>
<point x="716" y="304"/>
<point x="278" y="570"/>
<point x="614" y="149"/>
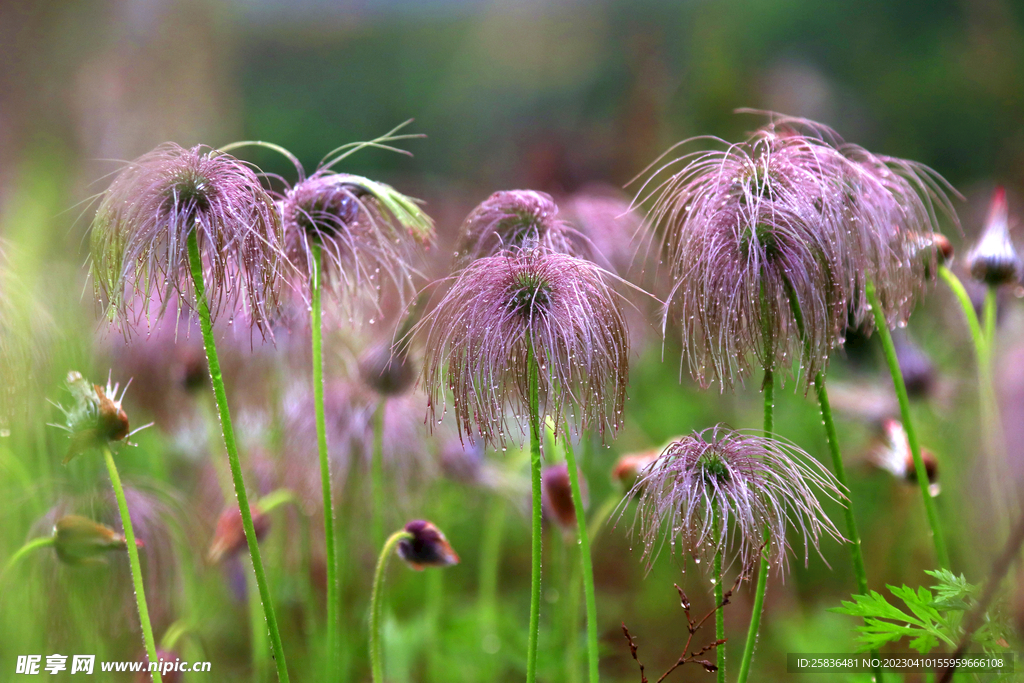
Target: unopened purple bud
<point x="428" y="547"/>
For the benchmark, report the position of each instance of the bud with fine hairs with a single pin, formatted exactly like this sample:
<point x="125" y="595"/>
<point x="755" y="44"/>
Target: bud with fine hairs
<point x="95" y="417"/>
<point x="79" y="540"/>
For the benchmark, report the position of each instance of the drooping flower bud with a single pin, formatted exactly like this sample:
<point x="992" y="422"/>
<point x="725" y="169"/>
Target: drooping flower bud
<point x="96" y="417"/>
<point x="229" y="537"/>
<point x="993" y="260"/>
<point x="428" y="547"/>
<point x="630" y="466"/>
<point x="79" y="540"/>
<point x="557" y="496"/>
<point x="915" y="365"/>
<point x="893" y="454"/>
<point x="388" y="370"/>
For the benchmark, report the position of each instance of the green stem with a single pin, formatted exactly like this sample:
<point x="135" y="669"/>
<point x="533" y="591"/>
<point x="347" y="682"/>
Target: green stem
<point x="206" y="323"/>
<point x="762" y="571"/>
<point x="957" y="287"/>
<point x="133" y="560"/>
<point x="915" y="447"/>
<point x="586" y="561"/>
<point x="258" y="650"/>
<point x="377" y="473"/>
<point x="376" y="606"/>
<point x="983" y="337"/>
<point x="24" y="550"/>
<point x="535" y="471"/>
<point x="325" y="462"/>
<point x="989" y="316"/>
<point x="719" y="611"/>
<point x="856" y="552"/>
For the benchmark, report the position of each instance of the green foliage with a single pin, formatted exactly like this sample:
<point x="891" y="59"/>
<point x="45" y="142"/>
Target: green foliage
<point x="930" y="617"/>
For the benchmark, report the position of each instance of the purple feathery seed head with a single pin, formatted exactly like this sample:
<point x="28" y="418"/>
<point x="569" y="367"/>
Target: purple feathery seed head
<point x="722" y="490"/>
<point x="141" y="230"/>
<point x="512" y="219"/>
<point x="500" y="307"/>
<point x="994" y="260"/>
<point x="365" y="230"/>
<point x="770" y="243"/>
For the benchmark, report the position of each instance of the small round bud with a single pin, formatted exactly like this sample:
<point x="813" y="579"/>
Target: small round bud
<point x="915" y="365"/>
<point x="556" y="496"/>
<point x="427" y="547"/>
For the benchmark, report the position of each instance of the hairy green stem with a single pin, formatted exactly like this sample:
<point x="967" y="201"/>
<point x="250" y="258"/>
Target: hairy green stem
<point x="585" y="560"/>
<point x="915" y="447"/>
<point x="376" y="604"/>
<point x="316" y="326"/>
<point x="133" y="560"/>
<point x="856" y="552"/>
<point x="957" y="287"/>
<point x="535" y="471"/>
<point x="989" y="316"/>
<point x="832" y="437"/>
<point x="762" y="571"/>
<point x="206" y="324"/>
<point x="720" y="611"/>
<point x="983" y="338"/>
<point x="20" y="553"/>
<point x="377" y="473"/>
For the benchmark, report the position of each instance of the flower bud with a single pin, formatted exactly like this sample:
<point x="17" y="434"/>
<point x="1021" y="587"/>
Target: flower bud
<point x="427" y="548"/>
<point x="388" y="370"/>
<point x="556" y="497"/>
<point x="96" y="417"/>
<point x="630" y="466"/>
<point x="993" y="260"/>
<point x="79" y="540"/>
<point x="894" y="455"/>
<point x="915" y="365"/>
<point x="229" y="537"/>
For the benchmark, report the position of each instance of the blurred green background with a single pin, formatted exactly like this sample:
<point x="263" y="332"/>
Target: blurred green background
<point x="548" y="96"/>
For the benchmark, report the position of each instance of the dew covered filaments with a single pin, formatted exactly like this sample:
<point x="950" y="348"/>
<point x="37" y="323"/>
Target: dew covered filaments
<point x="722" y="491"/>
<point x="781" y="232"/>
<point x="511" y="220"/>
<point x="157" y="203"/>
<point x="501" y="308"/>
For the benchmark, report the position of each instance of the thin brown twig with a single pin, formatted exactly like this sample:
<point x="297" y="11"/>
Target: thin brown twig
<point x="693" y="625"/>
